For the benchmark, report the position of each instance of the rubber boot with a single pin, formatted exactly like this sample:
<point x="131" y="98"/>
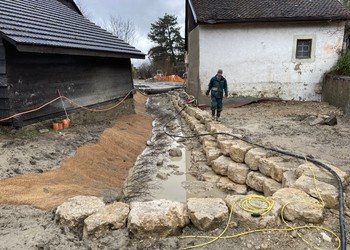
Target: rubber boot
<point x="213" y="114"/>
<point x="218" y="116"/>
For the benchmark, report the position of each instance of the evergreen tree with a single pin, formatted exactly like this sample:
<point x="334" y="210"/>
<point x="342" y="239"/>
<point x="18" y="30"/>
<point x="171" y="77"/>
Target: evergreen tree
<point x="170" y="45"/>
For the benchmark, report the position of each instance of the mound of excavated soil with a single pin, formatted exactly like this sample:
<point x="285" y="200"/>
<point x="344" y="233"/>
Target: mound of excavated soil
<point x="93" y="169"/>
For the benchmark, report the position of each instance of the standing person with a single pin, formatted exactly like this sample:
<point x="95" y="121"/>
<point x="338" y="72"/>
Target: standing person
<point x="217" y="86"/>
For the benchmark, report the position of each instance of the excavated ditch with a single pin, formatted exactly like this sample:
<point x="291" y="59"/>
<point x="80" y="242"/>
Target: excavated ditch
<point x="159" y="175"/>
<point x="155" y="175"/>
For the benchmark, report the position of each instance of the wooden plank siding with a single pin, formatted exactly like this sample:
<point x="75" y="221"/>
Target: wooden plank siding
<point x="2" y="58"/>
<point x="35" y="78"/>
<point x="5" y="105"/>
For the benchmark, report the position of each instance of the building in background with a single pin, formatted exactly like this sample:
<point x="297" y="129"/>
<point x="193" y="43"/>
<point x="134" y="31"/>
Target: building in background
<point x="46" y="46"/>
<point x="271" y="48"/>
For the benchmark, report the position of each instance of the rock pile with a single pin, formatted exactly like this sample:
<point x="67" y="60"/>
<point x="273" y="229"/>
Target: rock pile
<point x="93" y="219"/>
<point x="90" y="216"/>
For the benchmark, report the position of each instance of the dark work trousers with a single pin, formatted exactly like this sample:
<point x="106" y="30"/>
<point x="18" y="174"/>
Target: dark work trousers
<point x="216" y="104"/>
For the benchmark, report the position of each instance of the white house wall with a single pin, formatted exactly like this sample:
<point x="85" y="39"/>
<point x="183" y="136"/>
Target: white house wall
<point x="257" y="59"/>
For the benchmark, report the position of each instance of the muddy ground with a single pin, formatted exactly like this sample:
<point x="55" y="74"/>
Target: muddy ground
<point x="285" y="125"/>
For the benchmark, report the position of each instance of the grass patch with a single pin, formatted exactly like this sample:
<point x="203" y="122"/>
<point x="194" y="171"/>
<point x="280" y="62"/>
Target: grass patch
<point x="343" y="65"/>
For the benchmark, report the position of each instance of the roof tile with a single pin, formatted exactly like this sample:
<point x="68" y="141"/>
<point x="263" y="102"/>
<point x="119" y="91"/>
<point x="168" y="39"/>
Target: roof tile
<point x="52" y="24"/>
<point x="212" y="11"/>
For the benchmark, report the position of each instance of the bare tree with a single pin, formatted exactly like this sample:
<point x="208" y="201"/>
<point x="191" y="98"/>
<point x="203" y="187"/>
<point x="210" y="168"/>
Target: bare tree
<point x="83" y="9"/>
<point x="146" y="70"/>
<point x="123" y="29"/>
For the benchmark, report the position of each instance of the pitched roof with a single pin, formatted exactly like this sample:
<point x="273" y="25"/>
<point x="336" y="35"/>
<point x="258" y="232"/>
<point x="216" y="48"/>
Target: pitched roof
<point x="72" y="5"/>
<point x="51" y="27"/>
<point x="216" y="11"/>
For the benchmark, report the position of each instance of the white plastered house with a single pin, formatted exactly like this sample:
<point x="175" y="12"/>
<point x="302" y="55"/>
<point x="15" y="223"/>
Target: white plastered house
<point x="267" y="48"/>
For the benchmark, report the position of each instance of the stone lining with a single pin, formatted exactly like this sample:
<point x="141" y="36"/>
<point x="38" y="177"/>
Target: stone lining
<point x="236" y="167"/>
<point x="263" y="171"/>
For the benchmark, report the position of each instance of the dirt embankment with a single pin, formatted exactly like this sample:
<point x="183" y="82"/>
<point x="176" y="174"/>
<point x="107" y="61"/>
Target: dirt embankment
<point x="93" y="169"/>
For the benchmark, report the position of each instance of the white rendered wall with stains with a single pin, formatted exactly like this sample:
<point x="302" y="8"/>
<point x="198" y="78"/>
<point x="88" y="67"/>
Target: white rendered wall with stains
<point x="259" y="59"/>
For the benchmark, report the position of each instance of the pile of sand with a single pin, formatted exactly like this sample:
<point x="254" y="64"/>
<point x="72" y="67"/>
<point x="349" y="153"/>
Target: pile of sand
<point x="92" y="170"/>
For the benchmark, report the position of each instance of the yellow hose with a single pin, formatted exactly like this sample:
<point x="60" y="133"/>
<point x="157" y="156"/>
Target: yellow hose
<point x="249" y="204"/>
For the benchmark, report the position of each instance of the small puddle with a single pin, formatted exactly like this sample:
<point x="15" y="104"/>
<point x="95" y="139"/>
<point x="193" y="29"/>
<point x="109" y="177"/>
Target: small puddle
<point x="181" y="185"/>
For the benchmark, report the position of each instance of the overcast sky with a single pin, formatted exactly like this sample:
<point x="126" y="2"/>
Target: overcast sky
<point x="141" y="12"/>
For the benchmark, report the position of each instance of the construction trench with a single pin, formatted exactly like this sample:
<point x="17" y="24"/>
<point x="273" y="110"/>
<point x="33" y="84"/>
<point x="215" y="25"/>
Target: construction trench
<point x="179" y="193"/>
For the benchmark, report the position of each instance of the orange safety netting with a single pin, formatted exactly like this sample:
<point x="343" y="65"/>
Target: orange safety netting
<point x="172" y="78"/>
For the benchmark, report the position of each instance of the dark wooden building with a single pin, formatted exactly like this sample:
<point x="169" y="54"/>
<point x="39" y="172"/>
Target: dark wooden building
<point x="46" y="46"/>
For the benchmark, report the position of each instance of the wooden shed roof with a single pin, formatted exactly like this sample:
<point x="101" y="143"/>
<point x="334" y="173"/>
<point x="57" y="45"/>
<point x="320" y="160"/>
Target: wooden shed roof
<point x="48" y="26"/>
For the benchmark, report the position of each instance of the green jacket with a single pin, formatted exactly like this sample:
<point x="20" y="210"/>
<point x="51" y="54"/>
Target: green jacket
<point x="217" y="87"/>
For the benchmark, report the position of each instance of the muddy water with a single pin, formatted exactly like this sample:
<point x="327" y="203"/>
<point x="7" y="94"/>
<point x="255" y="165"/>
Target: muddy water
<point x="156" y="175"/>
<point x="181" y="185"/>
<point x="171" y="188"/>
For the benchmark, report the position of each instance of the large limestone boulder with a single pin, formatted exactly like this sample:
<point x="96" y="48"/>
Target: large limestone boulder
<point x="253" y="156"/>
<point x="347" y="198"/>
<point x="239" y="150"/>
<point x="194" y="123"/>
<point x="298" y="205"/>
<point x="158" y="218"/>
<point x="210" y="144"/>
<point x="202" y="115"/>
<point x="216" y="127"/>
<point x="266" y="164"/>
<point x="274" y="167"/>
<point x="279" y="168"/>
<point x="206" y="137"/>
<point x="237" y="172"/>
<point x="256" y="180"/>
<point x="198" y="156"/>
<point x="322" y="174"/>
<point x="185" y="116"/>
<point x="229" y="186"/>
<point x="220" y="165"/>
<point x="202" y="132"/>
<point x="246" y="220"/>
<point x="271" y="186"/>
<point x="211" y="125"/>
<point x="207" y="213"/>
<point x="225" y="146"/>
<point x="199" y="128"/>
<point x="205" y="117"/>
<point x="73" y="212"/>
<point x="228" y="137"/>
<point x="328" y="192"/>
<point x="212" y="154"/>
<point x="288" y="179"/>
<point x="211" y="176"/>
<point x="111" y="217"/>
<point x="206" y="121"/>
<point x="190" y="111"/>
